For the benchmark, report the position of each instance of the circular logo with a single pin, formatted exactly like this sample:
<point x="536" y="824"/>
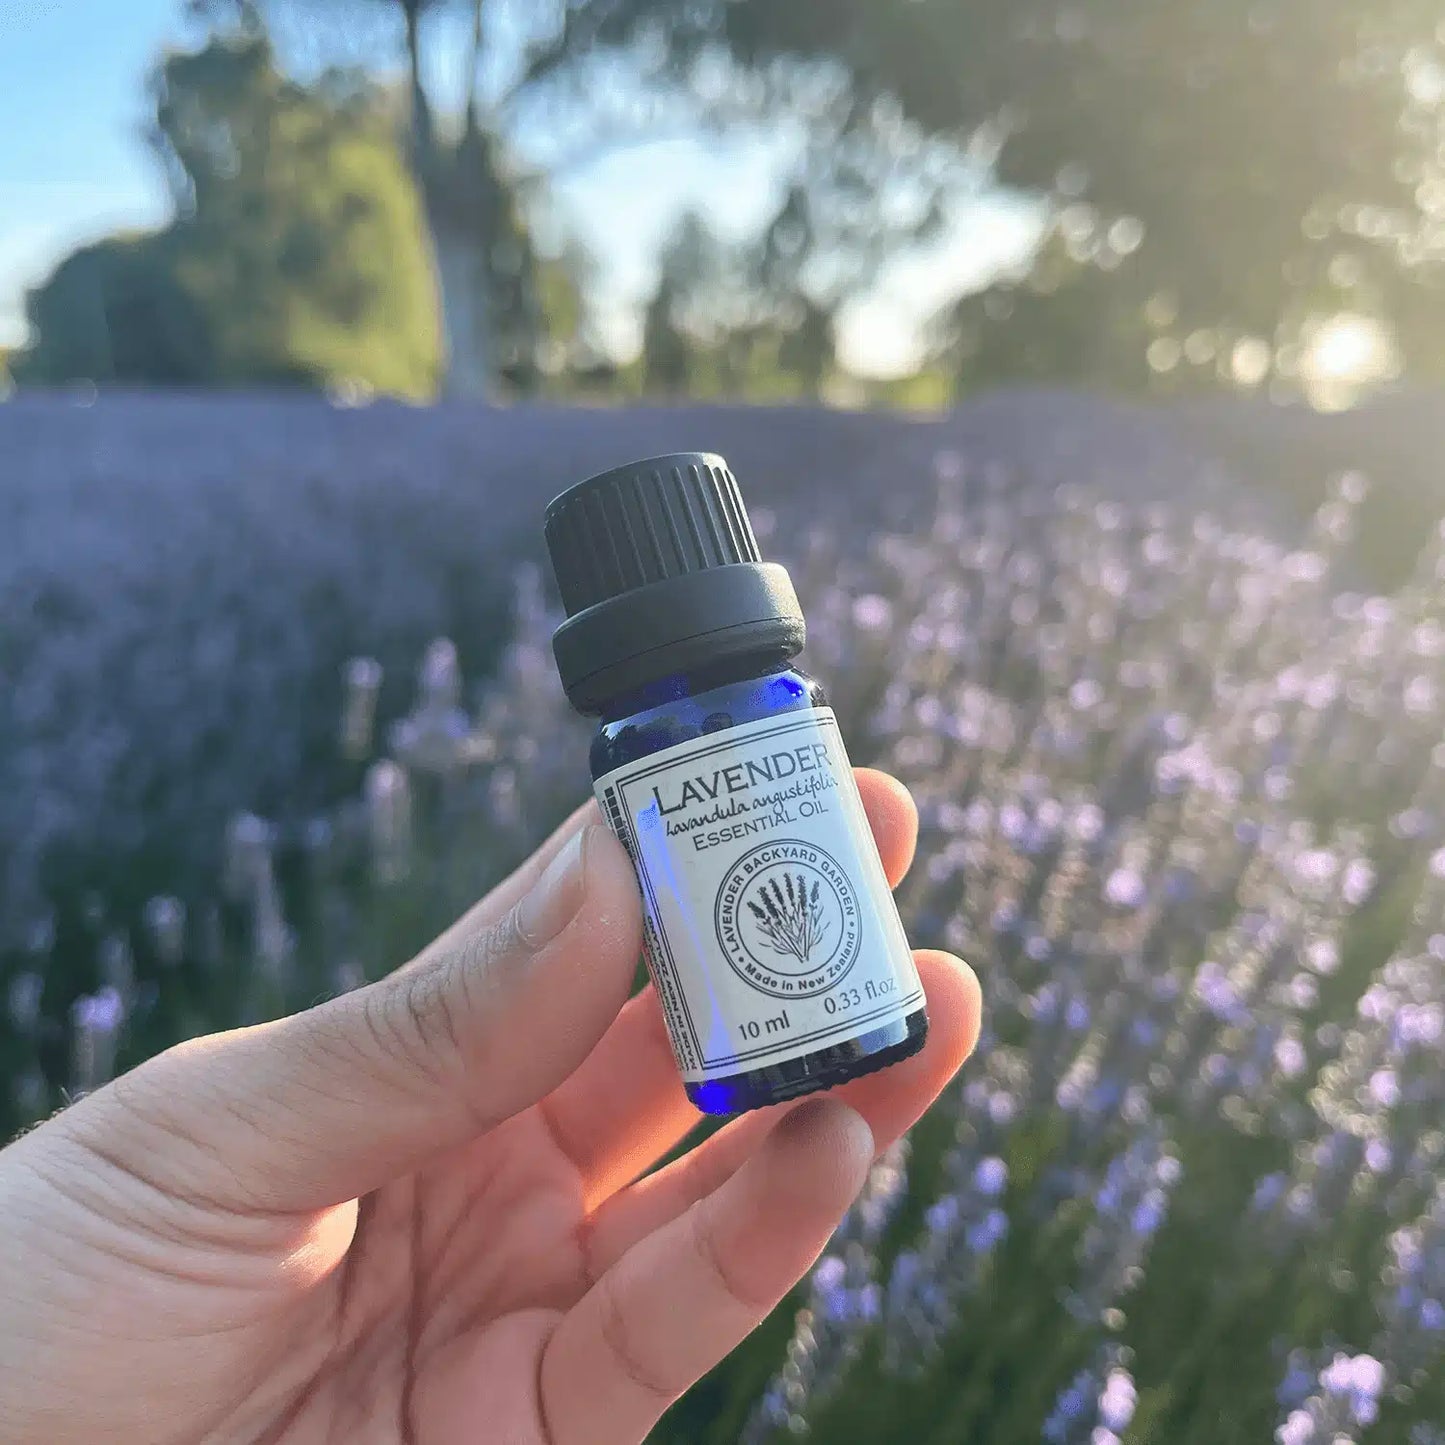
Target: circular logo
<point x="788" y="919"/>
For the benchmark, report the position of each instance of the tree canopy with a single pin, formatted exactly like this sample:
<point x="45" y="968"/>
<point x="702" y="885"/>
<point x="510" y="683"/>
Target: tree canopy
<point x="296" y="253"/>
<point x="1269" y="160"/>
<point x="1232" y="192"/>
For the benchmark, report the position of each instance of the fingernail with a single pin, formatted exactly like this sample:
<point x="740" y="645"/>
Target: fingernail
<point x="556" y="896"/>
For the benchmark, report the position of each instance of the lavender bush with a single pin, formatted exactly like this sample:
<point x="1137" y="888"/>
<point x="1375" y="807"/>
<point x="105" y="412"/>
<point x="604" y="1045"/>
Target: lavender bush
<point x="181" y="579"/>
<point x="1183" y="805"/>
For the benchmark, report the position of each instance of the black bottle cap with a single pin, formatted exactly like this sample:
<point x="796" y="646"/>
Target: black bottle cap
<point x="660" y="572"/>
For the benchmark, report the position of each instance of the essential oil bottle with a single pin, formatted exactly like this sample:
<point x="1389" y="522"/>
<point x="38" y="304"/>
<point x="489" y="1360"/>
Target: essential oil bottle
<point x="769" y="928"/>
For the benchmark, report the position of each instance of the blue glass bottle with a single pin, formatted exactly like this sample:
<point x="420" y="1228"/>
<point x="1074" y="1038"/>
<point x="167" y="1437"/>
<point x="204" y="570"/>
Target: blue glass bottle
<point x="684" y="706"/>
<point x="769" y="926"/>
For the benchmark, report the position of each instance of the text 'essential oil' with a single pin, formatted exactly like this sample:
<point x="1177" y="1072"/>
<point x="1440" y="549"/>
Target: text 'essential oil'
<point x="770" y="930"/>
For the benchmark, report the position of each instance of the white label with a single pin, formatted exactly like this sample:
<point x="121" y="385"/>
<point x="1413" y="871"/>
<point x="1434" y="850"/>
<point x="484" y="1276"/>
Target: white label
<point x="770" y="929"/>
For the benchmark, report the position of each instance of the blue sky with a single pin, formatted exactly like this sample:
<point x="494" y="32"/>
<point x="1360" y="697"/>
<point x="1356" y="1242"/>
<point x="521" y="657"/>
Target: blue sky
<point x="72" y="103"/>
<point x="74" y="166"/>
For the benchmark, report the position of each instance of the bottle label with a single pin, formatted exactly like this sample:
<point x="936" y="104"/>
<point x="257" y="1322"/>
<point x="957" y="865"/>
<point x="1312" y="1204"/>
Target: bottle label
<point x="769" y="927"/>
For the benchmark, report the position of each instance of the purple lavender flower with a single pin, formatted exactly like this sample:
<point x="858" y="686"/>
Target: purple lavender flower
<point x="1098" y="1404"/>
<point x="1168" y="782"/>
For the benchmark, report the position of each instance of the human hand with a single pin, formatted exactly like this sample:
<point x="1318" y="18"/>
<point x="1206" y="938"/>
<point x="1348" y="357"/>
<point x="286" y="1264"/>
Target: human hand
<point x="414" y="1213"/>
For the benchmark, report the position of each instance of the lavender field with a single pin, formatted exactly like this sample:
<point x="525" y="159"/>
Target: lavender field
<point x="279" y="702"/>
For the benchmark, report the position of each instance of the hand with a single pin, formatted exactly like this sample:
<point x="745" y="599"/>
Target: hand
<point x="414" y="1213"/>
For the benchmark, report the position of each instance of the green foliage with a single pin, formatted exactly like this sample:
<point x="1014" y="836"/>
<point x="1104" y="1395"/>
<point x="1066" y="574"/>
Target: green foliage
<point x="297" y="255"/>
<point x="682" y="320"/>
<point x="479" y="200"/>
<point x="1279" y="162"/>
<point x="723" y="321"/>
<point x="1219" y="184"/>
<point x="1061" y="319"/>
<point x="567" y="354"/>
<point x="117" y="311"/>
<point x="300" y="230"/>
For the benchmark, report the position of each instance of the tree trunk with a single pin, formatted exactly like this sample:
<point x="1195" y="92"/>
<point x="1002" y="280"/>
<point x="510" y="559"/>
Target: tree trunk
<point x="470" y="366"/>
<point x="468" y="360"/>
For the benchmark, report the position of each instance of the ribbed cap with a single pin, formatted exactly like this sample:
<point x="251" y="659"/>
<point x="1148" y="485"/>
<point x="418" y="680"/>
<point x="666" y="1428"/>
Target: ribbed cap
<point x="659" y="570"/>
<point x="646" y="522"/>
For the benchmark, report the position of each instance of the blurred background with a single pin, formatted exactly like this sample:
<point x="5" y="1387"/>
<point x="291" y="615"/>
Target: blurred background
<point x="1086" y="362"/>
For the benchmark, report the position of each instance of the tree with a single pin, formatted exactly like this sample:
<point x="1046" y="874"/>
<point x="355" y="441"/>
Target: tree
<point x="803" y="306"/>
<point x="296" y="254"/>
<point x="116" y="312"/>
<point x="1057" y="318"/>
<point x="1276" y="158"/>
<point x="461" y="153"/>
<point x="570" y="351"/>
<point x="684" y="319"/>
<point x="723" y="321"/>
<point x="298" y="230"/>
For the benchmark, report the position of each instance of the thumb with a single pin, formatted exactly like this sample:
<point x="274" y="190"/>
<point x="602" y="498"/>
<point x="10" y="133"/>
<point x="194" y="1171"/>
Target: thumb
<point x="328" y="1104"/>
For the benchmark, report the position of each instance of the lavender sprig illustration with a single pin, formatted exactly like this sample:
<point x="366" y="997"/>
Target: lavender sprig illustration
<point x="790" y="916"/>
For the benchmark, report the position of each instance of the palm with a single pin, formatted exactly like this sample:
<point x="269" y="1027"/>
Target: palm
<point x="453" y="1281"/>
<point x="502" y="1264"/>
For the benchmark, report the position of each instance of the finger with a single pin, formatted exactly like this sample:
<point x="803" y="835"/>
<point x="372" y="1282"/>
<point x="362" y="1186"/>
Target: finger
<point x="525" y="874"/>
<point x="328" y="1104"/>
<point x="680" y="1299"/>
<point x="890" y="1101"/>
<point x="626" y="1107"/>
<point x="893" y="816"/>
